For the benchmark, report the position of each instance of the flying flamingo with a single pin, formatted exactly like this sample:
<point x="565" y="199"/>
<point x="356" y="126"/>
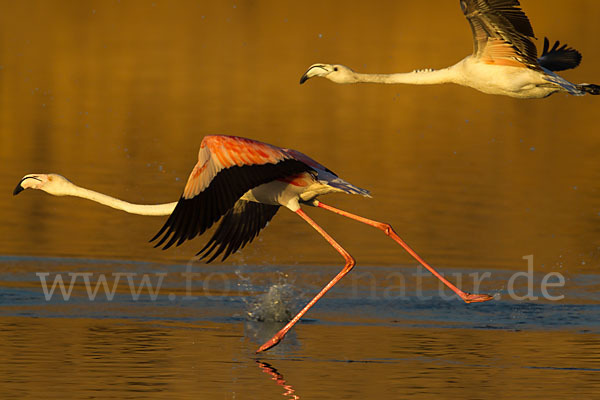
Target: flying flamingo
<point x="504" y="59"/>
<point x="243" y="182"/>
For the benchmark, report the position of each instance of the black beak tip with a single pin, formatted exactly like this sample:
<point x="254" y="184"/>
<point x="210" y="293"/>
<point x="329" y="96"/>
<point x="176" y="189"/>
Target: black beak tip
<point x="18" y="190"/>
<point x="303" y="79"/>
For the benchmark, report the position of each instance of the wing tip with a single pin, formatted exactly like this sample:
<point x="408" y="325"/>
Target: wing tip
<point x="559" y="58"/>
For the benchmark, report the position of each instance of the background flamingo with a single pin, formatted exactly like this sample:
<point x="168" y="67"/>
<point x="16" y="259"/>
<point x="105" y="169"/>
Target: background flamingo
<point x="504" y="59"/>
<point x="242" y="182"/>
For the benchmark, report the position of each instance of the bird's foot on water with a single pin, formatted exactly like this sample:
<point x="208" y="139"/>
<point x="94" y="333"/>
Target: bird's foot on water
<point x="476" y="298"/>
<point x="274" y="341"/>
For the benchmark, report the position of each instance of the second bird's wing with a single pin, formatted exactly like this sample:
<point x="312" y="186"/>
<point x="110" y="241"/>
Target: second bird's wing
<point x="558" y="58"/>
<point x="502" y="33"/>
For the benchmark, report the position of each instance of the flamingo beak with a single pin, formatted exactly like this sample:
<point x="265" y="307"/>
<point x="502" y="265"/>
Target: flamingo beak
<point x="20" y="186"/>
<point x="18" y="189"/>
<point x="313" y="70"/>
<point x="304" y="78"/>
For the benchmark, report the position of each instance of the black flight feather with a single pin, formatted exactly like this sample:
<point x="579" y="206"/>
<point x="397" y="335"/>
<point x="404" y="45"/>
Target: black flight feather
<point x="238" y="227"/>
<point x="558" y="58"/>
<point x="192" y="217"/>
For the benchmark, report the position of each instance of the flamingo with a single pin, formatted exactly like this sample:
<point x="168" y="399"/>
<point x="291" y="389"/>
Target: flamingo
<point x="504" y="59"/>
<point x="243" y="182"/>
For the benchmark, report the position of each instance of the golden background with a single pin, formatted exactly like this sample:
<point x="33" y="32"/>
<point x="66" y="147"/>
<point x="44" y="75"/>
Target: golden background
<point x="117" y="95"/>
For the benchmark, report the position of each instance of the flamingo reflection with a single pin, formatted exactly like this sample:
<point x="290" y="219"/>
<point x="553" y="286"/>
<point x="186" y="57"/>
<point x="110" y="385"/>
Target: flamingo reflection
<point x="278" y="378"/>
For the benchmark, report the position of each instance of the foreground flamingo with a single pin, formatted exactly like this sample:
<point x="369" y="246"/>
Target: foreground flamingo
<point x="504" y="59"/>
<point x="243" y="182"/>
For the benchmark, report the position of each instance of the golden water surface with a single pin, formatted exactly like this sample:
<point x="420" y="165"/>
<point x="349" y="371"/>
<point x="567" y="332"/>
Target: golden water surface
<point x="117" y="95"/>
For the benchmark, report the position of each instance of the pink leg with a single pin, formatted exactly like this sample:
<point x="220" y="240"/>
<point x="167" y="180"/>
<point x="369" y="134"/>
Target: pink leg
<point x="349" y="265"/>
<point x="389" y="231"/>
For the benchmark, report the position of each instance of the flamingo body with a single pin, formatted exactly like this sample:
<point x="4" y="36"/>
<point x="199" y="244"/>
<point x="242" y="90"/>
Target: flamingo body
<point x="242" y="183"/>
<point x="232" y="169"/>
<point x="504" y="59"/>
<point x="509" y="80"/>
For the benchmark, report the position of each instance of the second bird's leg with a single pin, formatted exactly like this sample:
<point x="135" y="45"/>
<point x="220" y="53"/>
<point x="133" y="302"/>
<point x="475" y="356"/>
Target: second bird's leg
<point x="389" y="231"/>
<point x="349" y="265"/>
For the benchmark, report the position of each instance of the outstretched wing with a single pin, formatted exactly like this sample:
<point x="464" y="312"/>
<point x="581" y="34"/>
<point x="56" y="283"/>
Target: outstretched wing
<point x="558" y="58"/>
<point x="307" y="160"/>
<point x="502" y="33"/>
<point x="327" y="176"/>
<point x="227" y="167"/>
<point x="238" y="227"/>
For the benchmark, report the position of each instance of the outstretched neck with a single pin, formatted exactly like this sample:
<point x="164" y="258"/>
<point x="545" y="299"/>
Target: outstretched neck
<point x="141" y="209"/>
<point x="417" y="77"/>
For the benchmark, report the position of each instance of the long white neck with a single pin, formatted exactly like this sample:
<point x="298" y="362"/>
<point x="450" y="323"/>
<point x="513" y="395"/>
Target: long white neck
<point x="141" y="209"/>
<point x="418" y="77"/>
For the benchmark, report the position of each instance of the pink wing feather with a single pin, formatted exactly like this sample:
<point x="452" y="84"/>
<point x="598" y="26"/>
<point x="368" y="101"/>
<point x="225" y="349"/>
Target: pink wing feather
<point x="220" y="152"/>
<point x="228" y="166"/>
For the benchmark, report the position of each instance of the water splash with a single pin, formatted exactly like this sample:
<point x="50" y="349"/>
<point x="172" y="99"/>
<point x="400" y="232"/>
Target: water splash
<point x="277" y="304"/>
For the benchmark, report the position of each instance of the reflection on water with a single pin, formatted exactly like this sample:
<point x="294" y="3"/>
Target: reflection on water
<point x="117" y="96"/>
<point x="108" y="358"/>
<point x="278" y="378"/>
<point x="357" y="342"/>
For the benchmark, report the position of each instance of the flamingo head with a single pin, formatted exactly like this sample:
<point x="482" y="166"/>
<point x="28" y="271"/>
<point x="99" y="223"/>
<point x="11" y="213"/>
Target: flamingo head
<point x="54" y="184"/>
<point x="334" y="72"/>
